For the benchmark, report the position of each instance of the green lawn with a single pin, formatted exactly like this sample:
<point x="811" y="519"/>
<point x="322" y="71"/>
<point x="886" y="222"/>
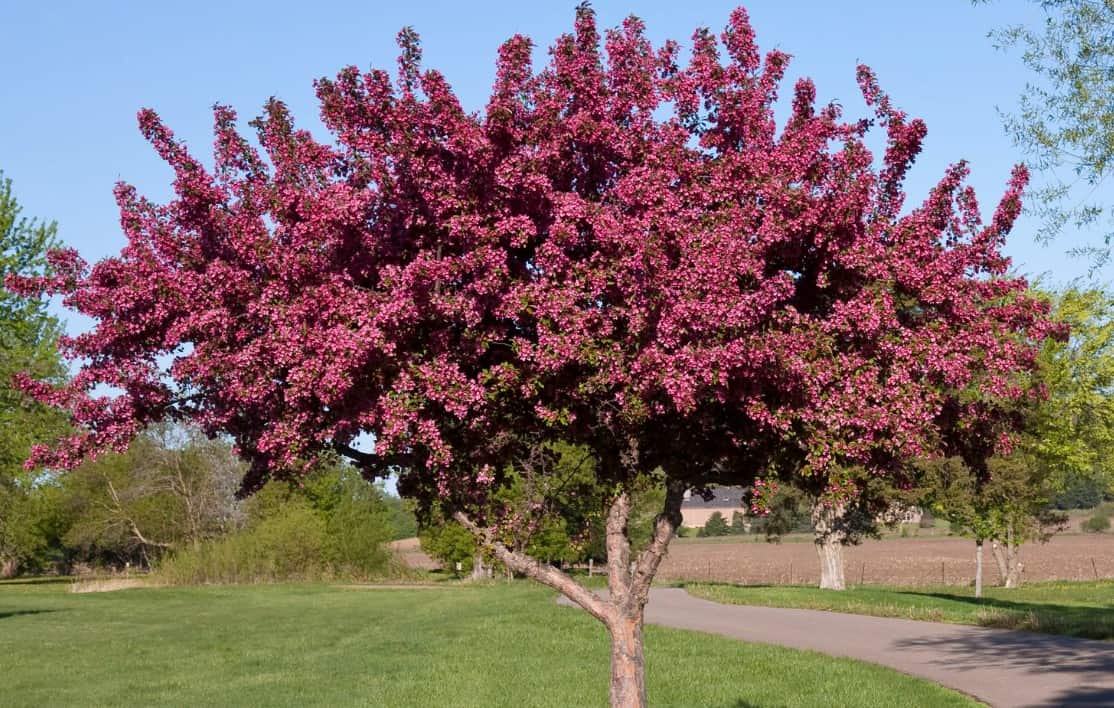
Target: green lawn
<point x="1077" y="609"/>
<point x="502" y="645"/>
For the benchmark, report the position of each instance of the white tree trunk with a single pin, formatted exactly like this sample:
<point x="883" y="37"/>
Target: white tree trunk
<point x="831" y="565"/>
<point x="978" y="567"/>
<point x="828" y="538"/>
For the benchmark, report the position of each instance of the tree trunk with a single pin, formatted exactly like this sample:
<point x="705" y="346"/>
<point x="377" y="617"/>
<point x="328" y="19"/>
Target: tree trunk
<point x="8" y="567"/>
<point x="628" y="665"/>
<point x="831" y="564"/>
<point x="829" y="536"/>
<point x="978" y="567"/>
<point x="628" y="587"/>
<point x="1009" y="567"/>
<point x="478" y="566"/>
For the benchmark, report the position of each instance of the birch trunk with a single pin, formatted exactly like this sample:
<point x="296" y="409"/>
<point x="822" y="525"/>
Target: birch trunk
<point x="828" y="538"/>
<point x="978" y="567"/>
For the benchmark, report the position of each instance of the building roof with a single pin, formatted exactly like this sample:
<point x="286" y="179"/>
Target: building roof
<point x="724" y="498"/>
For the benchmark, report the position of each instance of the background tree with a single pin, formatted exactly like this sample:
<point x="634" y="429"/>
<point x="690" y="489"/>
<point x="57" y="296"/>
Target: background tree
<point x="1072" y="430"/>
<point x="716" y="525"/>
<point x="28" y="343"/>
<point x="172" y="488"/>
<point x="1065" y="120"/>
<point x="620" y="252"/>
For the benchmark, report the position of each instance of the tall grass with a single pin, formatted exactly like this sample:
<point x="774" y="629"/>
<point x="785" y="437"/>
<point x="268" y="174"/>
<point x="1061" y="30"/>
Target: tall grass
<point x="293" y="543"/>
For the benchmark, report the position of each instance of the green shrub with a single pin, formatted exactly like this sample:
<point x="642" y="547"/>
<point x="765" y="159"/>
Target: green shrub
<point x="1097" y="524"/>
<point x="336" y="526"/>
<point x="716" y="525"/>
<point x="450" y="543"/>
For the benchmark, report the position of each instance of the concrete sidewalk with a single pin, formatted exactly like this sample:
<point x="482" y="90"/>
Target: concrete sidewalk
<point x="1001" y="667"/>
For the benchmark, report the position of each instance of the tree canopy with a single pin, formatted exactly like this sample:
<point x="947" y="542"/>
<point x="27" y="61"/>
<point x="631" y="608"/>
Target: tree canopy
<point x="1065" y="120"/>
<point x="623" y="251"/>
<point x="28" y="345"/>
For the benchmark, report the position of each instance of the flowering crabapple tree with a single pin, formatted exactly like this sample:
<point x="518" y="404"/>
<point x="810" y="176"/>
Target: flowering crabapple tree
<point x="622" y="251"/>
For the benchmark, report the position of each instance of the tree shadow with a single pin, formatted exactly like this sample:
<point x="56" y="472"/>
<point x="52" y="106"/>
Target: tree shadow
<point x="1088" y="621"/>
<point x="1034" y="653"/>
<point x="1084" y="697"/>
<point x="17" y="613"/>
<point x="740" y="703"/>
<point x="51" y="580"/>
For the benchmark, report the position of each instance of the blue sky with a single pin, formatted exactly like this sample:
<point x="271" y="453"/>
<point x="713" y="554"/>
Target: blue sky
<point x="75" y="73"/>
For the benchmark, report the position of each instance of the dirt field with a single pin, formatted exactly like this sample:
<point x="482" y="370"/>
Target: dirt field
<point x="906" y="561"/>
<point x="410" y="551"/>
<point x="898" y="561"/>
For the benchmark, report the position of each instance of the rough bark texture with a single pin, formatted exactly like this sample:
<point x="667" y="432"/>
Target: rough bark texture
<point x="628" y="666"/>
<point x="829" y="537"/>
<point x="8" y="567"/>
<point x="478" y="571"/>
<point x="1008" y="556"/>
<point x="978" y="568"/>
<point x="831" y="564"/>
<point x="628" y="584"/>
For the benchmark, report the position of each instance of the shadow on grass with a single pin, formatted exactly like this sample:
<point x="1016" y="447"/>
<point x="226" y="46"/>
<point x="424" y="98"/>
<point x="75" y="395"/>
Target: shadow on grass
<point x="51" y="580"/>
<point x="17" y="613"/>
<point x="1075" y="620"/>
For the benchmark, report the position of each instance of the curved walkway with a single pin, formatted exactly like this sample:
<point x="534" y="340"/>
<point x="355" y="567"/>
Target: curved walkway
<point x="1001" y="667"/>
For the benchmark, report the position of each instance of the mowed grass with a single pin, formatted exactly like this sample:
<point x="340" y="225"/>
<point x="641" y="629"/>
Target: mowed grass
<point x="1080" y="609"/>
<point x="500" y="645"/>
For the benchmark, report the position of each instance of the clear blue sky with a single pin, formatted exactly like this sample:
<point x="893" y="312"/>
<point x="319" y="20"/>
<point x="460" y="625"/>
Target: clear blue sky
<point x="75" y="73"/>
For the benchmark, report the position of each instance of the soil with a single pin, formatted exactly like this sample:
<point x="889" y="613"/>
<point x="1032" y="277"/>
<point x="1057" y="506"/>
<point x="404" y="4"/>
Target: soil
<point x="900" y="561"/>
<point x="934" y="560"/>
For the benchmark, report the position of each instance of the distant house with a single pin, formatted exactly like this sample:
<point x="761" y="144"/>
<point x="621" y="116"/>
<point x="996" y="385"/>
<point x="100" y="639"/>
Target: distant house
<point x="727" y="500"/>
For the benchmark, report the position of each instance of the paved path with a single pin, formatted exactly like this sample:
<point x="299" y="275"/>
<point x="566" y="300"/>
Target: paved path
<point x="1001" y="667"/>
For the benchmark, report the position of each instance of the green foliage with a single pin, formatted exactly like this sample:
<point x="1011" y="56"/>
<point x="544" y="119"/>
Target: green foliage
<point x="172" y="488"/>
<point x="404" y="524"/>
<point x="1072" y="431"/>
<point x="716" y="525"/>
<point x="1011" y="506"/>
<point x="738" y="524"/>
<point x="28" y="338"/>
<point x="1097" y="523"/>
<point x="449" y="543"/>
<point x="1079" y="492"/>
<point x="785" y="513"/>
<point x="1065" y="119"/>
<point x="333" y="525"/>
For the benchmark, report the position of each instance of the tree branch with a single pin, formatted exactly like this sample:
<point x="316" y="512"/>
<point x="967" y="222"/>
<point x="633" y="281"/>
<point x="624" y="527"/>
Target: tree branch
<point x="378" y="465"/>
<point x="542" y="572"/>
<point x="618" y="548"/>
<point x="665" y="525"/>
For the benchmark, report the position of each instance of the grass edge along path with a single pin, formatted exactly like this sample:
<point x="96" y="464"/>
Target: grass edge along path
<point x="1076" y="609"/>
<point x="496" y="645"/>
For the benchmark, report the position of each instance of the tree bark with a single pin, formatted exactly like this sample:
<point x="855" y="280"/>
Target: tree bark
<point x="831" y="564"/>
<point x="978" y="567"/>
<point x="628" y="587"/>
<point x="478" y="566"/>
<point x="8" y="567"/>
<point x="828" y="538"/>
<point x="628" y="664"/>
<point x="1007" y="553"/>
